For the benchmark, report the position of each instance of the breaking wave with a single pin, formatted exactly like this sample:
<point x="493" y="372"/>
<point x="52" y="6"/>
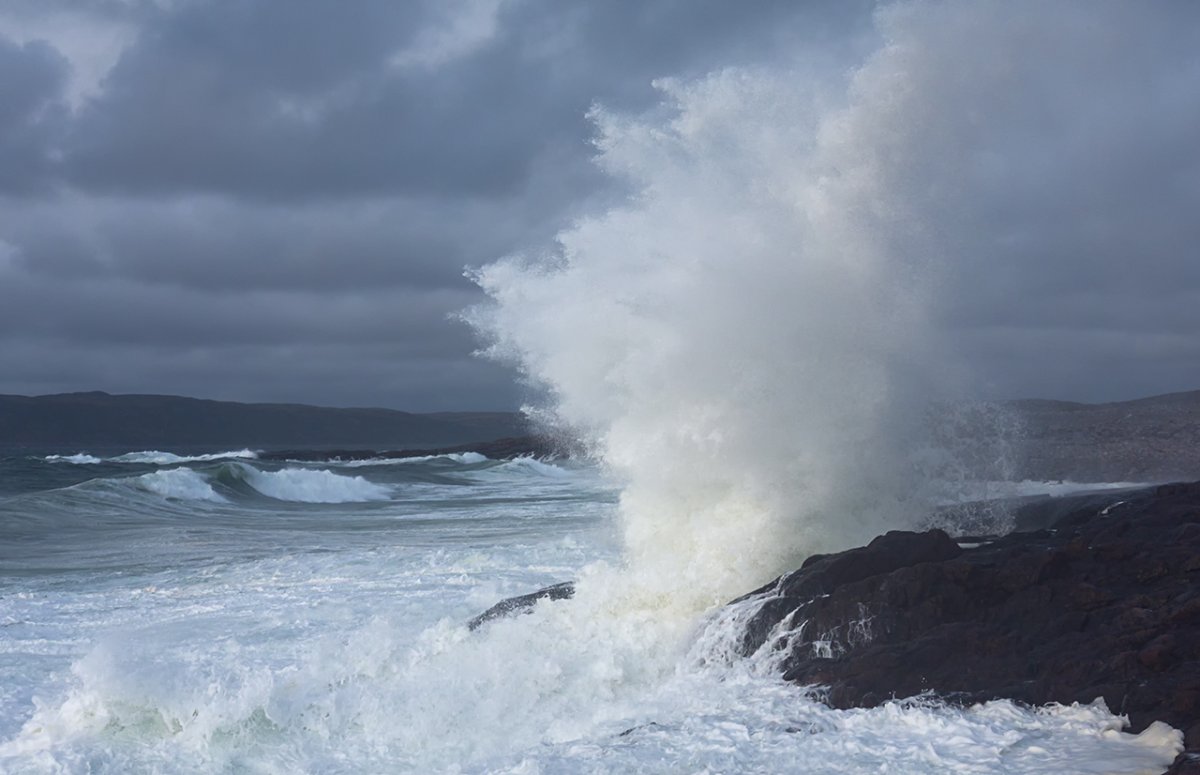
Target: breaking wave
<point x="81" y="458"/>
<point x="303" y="485"/>
<point x="179" y="484"/>
<point x="152" y="457"/>
<point x="466" y="458"/>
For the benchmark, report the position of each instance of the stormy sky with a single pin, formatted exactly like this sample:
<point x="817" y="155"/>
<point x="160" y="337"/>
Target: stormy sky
<point x="275" y="200"/>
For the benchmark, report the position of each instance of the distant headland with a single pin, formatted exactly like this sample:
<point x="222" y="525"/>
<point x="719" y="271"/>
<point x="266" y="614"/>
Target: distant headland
<point x="97" y="419"/>
<point x="1154" y="439"/>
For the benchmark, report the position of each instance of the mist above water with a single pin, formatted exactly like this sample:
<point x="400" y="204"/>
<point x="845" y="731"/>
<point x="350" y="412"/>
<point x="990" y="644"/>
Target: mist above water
<point x="740" y="343"/>
<point x="750" y="341"/>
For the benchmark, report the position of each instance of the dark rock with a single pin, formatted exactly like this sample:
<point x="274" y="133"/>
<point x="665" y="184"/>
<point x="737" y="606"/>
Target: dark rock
<point x="1185" y="764"/>
<point x="1103" y="603"/>
<point x="639" y="727"/>
<point x="523" y="604"/>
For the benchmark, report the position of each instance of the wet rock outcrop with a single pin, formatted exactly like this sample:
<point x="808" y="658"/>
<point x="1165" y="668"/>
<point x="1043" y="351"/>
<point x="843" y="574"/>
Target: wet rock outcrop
<point x="523" y="604"/>
<point x="1104" y="603"/>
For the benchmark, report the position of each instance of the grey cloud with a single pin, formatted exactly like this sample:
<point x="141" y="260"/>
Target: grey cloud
<point x="32" y="77"/>
<point x="287" y="101"/>
<point x="1057" y="187"/>
<point x="217" y="244"/>
<point x="115" y="311"/>
<point x="263" y="202"/>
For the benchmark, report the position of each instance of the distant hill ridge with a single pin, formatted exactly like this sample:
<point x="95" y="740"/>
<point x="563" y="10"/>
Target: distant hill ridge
<point x="146" y="421"/>
<point x="1147" y="439"/>
<point x="1153" y="439"/>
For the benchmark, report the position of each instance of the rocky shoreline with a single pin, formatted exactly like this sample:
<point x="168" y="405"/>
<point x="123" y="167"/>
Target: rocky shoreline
<point x="1102" y="602"/>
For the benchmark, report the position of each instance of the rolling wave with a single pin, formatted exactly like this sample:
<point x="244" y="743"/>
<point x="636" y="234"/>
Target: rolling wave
<point x="180" y="484"/>
<point x="466" y="458"/>
<point x="81" y="458"/>
<point x="152" y="457"/>
<point x="303" y="485"/>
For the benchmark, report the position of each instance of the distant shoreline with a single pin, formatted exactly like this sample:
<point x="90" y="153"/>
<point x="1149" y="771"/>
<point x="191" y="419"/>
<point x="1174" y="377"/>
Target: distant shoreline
<point x="136" y="422"/>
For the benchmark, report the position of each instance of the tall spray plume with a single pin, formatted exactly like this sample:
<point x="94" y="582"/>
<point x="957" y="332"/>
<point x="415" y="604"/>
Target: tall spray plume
<point x="750" y="341"/>
<point x="734" y="342"/>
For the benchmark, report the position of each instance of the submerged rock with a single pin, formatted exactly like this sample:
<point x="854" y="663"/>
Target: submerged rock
<point x="1103" y="603"/>
<point x="523" y="604"/>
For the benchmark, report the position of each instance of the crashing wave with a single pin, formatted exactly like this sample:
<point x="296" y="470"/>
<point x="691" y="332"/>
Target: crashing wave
<point x="179" y="484"/>
<point x="302" y="485"/>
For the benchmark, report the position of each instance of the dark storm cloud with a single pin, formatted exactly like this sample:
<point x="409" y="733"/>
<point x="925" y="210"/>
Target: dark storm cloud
<point x="217" y="244"/>
<point x="312" y="99"/>
<point x="1063" y="184"/>
<point x="283" y="100"/>
<point x="31" y="86"/>
<point x="303" y="180"/>
<point x="276" y="198"/>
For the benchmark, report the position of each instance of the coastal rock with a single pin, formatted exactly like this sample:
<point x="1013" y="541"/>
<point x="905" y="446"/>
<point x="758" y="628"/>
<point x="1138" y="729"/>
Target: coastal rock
<point x="1103" y="603"/>
<point x="523" y="604"/>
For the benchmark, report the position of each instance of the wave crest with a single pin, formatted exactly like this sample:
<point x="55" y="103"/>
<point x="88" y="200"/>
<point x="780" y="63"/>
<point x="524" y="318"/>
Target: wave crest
<point x="302" y="485"/>
<point x="155" y="457"/>
<point x="179" y="484"/>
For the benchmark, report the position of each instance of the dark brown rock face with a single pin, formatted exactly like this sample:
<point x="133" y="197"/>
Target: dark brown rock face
<point x="1106" y="603"/>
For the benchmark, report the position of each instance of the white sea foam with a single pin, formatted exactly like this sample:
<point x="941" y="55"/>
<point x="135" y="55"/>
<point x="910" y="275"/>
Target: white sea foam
<point x="180" y="484"/>
<point x="154" y="457"/>
<point x="549" y="692"/>
<point x="306" y="485"/>
<point x="81" y="458"/>
<point x="466" y="458"/>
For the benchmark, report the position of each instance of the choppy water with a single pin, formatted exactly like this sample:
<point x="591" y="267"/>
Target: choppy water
<point x="165" y="613"/>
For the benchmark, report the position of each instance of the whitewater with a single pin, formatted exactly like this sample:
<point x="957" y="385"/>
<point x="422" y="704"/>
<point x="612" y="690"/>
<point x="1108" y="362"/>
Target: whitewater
<point x="235" y="615"/>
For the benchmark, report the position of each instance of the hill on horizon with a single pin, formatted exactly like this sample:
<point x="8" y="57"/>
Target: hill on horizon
<point x="1145" y="439"/>
<point x="99" y="419"/>
<point x="1156" y="438"/>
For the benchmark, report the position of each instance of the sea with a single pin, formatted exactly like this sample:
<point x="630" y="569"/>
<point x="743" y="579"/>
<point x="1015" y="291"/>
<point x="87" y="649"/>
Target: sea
<point x="163" y="612"/>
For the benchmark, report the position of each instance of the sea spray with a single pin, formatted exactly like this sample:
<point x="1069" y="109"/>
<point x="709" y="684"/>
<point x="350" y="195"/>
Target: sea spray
<point x="739" y="342"/>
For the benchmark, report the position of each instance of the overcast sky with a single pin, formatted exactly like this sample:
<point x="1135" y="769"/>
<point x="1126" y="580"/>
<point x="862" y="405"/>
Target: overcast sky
<point x="275" y="200"/>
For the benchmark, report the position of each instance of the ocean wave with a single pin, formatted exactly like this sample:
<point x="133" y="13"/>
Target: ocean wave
<point x="81" y="458"/>
<point x="466" y="458"/>
<point x="302" y="485"/>
<point x="155" y="457"/>
<point x="532" y="465"/>
<point x="179" y="484"/>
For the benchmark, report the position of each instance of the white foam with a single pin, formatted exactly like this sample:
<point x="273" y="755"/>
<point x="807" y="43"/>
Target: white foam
<point x="154" y="457"/>
<point x="466" y="458"/>
<point x="180" y="484"/>
<point x="81" y="458"/>
<point x="593" y="684"/>
<point x="305" y="485"/>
